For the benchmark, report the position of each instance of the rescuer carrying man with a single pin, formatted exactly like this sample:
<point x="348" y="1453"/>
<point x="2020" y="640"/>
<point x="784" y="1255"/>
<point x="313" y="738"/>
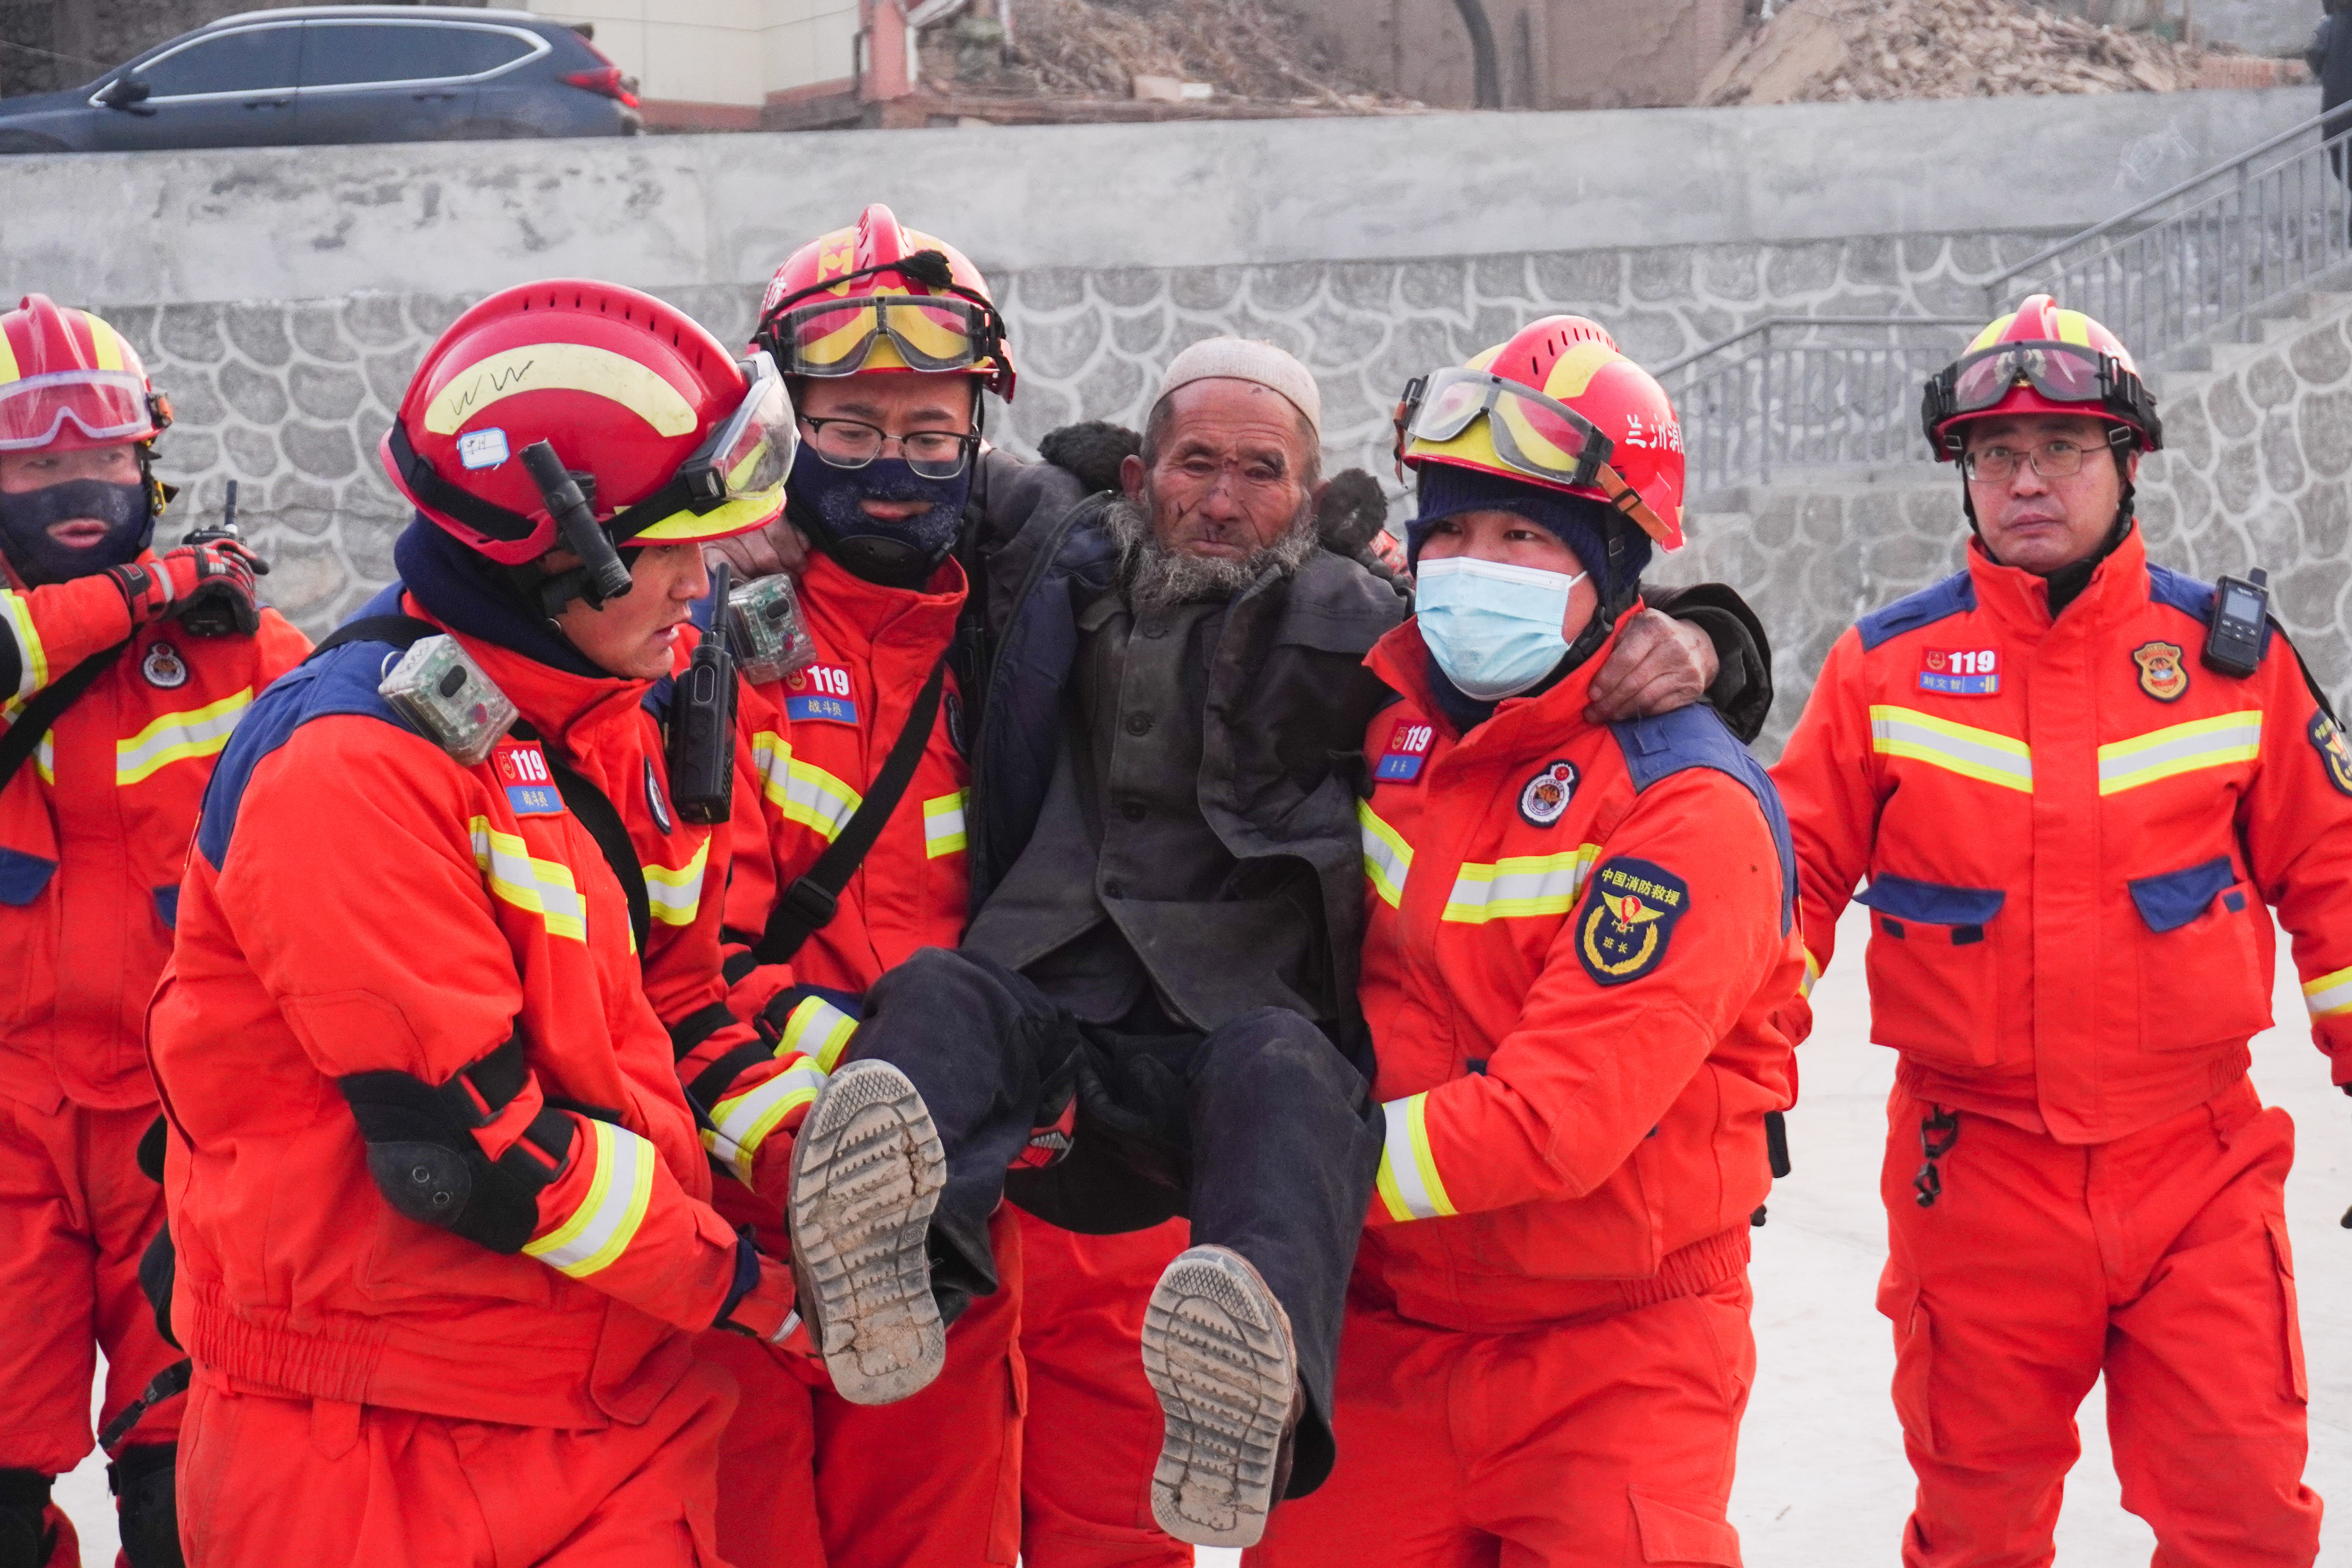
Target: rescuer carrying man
<point x="124" y="670"/>
<point x="442" y="1210"/>
<point x="2074" y="779"/>
<point x="1578" y="936"/>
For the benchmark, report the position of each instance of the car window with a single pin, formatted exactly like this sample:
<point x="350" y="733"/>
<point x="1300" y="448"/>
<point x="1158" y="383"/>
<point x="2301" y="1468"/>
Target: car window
<point x="247" y="59"/>
<point x="347" y="54"/>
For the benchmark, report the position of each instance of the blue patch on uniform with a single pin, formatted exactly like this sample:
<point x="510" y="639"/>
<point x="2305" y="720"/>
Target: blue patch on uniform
<point x="1695" y="737"/>
<point x="1937" y="602"/>
<point x="832" y="710"/>
<point x="2178" y="591"/>
<point x="1959" y="684"/>
<point x="22" y="875"/>
<point x="1931" y="903"/>
<point x="2169" y="901"/>
<point x="2335" y="752"/>
<point x="167" y="905"/>
<point x="1631" y="909"/>
<point x="523" y="774"/>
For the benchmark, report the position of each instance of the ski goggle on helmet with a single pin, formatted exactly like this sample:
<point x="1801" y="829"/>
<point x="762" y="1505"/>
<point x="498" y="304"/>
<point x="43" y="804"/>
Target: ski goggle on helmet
<point x="69" y="380"/>
<point x="2038" y="360"/>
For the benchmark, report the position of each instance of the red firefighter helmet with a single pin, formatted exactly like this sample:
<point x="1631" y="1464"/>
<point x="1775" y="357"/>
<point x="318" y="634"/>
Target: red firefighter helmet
<point x="1557" y="406"/>
<point x="685" y="442"/>
<point x="880" y="297"/>
<point x="71" y="382"/>
<point x="2039" y="359"/>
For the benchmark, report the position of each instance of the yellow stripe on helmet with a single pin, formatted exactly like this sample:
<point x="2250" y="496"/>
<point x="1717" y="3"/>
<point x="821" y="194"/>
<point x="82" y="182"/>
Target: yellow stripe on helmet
<point x="561" y="367"/>
<point x="1574" y="371"/>
<point x="105" y="342"/>
<point x="1993" y="333"/>
<point x="735" y="517"/>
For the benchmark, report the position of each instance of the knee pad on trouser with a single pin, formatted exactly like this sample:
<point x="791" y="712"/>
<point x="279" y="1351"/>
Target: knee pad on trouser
<point x="26" y="1534"/>
<point x="147" y="1505"/>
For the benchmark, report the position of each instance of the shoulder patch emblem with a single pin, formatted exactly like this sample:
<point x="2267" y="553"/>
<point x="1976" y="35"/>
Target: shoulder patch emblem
<point x="1547" y="794"/>
<point x="2335" y="752"/>
<point x="1960" y="672"/>
<point x="2161" y="674"/>
<point x="163" y="667"/>
<point x="1629" y="917"/>
<point x="821" y="691"/>
<point x="654" y="801"/>
<point x="523" y="774"/>
<point x="1407" y="751"/>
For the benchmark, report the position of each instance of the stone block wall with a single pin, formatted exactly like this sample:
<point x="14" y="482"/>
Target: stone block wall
<point x="291" y="399"/>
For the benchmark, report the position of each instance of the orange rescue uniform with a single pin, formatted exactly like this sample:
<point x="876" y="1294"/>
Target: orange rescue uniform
<point x="933" y="1480"/>
<point x="1579" y="937"/>
<point x="359" y="903"/>
<point x="2070" y="829"/>
<point x="93" y="831"/>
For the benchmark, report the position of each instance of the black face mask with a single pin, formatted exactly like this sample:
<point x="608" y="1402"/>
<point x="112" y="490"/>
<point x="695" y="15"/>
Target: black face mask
<point x="26" y="516"/>
<point x="896" y="552"/>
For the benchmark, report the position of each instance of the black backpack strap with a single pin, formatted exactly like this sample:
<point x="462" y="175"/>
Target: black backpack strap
<point x="403" y="632"/>
<point x="47" y="707"/>
<point x="809" y="903"/>
<point x="604" y="825"/>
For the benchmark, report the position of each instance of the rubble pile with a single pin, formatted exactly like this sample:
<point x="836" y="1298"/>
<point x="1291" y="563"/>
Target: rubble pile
<point x="1242" y="48"/>
<point x="1829" y="51"/>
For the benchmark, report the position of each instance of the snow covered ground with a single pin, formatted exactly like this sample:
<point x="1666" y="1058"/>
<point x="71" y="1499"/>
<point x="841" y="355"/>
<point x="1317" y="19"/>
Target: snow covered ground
<point x="1823" y="1483"/>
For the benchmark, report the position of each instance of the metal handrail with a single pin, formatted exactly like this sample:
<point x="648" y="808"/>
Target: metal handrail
<point x="1771" y="323"/>
<point x="1993" y="284"/>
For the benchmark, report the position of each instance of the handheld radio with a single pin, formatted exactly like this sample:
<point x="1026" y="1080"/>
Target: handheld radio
<point x="702" y="723"/>
<point x="2233" y="634"/>
<point x="213" y="612"/>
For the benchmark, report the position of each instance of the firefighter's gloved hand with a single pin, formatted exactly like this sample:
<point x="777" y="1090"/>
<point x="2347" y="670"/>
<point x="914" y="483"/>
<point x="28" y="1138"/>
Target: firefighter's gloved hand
<point x="763" y="553"/>
<point x="222" y="572"/>
<point x="1659" y="665"/>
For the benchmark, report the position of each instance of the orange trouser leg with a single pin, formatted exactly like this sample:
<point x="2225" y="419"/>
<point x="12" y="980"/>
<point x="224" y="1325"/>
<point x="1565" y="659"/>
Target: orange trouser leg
<point x="1600" y="1442"/>
<point x="935" y="1481"/>
<point x="76" y="1212"/>
<point x="265" y="1480"/>
<point x="1094" y="1427"/>
<point x="2159" y="1259"/>
<point x="767" y="1458"/>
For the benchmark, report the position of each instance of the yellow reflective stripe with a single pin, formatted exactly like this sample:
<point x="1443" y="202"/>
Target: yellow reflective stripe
<point x="2213" y="743"/>
<point x="1983" y="754"/>
<point x="1386" y="857"/>
<point x="174" y="737"/>
<point x="1521" y="885"/>
<point x="2328" y="995"/>
<point x="104" y="343"/>
<point x="32" y="659"/>
<point x="8" y="371"/>
<point x="544" y="888"/>
<point x="45" y="756"/>
<point x="740" y="1123"/>
<point x="943" y="823"/>
<point x="804" y="791"/>
<point x="819" y="1029"/>
<point x="607" y="1220"/>
<point x="1812" y="973"/>
<point x="1409" y="1183"/>
<point x="675" y="896"/>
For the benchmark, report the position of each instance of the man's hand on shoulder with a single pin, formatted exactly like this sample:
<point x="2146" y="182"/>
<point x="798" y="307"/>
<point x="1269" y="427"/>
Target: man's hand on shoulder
<point x="1659" y="664"/>
<point x="762" y="553"/>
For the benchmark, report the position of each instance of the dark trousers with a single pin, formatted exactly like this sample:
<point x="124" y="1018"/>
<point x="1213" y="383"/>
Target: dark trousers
<point x="1263" y="1132"/>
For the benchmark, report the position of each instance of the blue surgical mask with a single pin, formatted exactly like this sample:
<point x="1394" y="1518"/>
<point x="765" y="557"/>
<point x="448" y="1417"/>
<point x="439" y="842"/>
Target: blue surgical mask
<point x="1493" y="630"/>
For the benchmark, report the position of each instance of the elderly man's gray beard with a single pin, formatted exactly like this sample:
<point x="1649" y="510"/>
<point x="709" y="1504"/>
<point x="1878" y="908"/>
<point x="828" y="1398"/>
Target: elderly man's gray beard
<point x="1157" y="577"/>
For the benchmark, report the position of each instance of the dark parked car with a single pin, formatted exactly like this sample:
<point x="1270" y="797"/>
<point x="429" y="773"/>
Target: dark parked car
<point x="338" y="73"/>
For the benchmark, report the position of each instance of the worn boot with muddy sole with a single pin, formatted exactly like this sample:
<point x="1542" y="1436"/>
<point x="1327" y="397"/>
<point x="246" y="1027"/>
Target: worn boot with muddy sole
<point x="1218" y="1350"/>
<point x="867" y="1168"/>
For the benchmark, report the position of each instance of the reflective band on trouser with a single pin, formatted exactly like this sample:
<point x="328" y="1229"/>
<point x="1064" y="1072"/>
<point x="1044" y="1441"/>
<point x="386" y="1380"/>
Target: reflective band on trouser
<point x="1983" y="754"/>
<point x="1812" y="973"/>
<point x="804" y="791"/>
<point x="1409" y="1183"/>
<point x="175" y="737"/>
<point x="742" y="1122"/>
<point x="2329" y="995"/>
<point x="45" y="756"/>
<point x="673" y="896"/>
<point x="32" y="659"/>
<point x="1521" y="885"/>
<point x="1386" y="857"/>
<point x="818" y="1028"/>
<point x="607" y="1220"/>
<point x="544" y="888"/>
<point x="943" y="823"/>
<point x="2213" y="743"/>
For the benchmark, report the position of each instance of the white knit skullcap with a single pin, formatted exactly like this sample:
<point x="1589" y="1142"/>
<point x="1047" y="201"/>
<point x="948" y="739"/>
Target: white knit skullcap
<point x="1247" y="359"/>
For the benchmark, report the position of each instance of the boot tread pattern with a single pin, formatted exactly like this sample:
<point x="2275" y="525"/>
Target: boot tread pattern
<point x="1218" y="1354"/>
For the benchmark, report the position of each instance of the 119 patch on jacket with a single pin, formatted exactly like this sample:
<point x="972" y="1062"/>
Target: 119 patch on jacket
<point x="1407" y="750"/>
<point x="821" y="691"/>
<point x="1629" y="917"/>
<point x="1960" y="671"/>
<point x="529" y="785"/>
